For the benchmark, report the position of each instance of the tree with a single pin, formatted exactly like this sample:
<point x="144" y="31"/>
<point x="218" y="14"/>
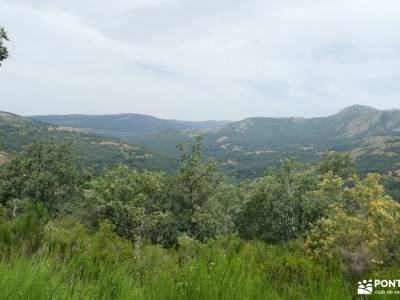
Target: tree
<point x="3" y="49"/>
<point x="281" y="205"/>
<point x="3" y="145"/>
<point x="130" y="200"/>
<point x="44" y="173"/>
<point x="218" y="213"/>
<point x="362" y="229"/>
<point x="195" y="183"/>
<point x="340" y="164"/>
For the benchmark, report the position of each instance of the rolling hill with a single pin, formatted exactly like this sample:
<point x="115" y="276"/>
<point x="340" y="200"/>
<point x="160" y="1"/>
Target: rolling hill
<point x="245" y="148"/>
<point x="90" y="149"/>
<point x="128" y="123"/>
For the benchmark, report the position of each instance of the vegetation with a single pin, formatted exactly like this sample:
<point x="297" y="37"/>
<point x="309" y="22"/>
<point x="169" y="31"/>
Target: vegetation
<point x="3" y="49"/>
<point x="362" y="229"/>
<point x="244" y="149"/>
<point x="87" y="149"/>
<point x="298" y="232"/>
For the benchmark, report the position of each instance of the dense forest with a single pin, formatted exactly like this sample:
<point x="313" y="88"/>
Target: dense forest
<point x="298" y="232"/>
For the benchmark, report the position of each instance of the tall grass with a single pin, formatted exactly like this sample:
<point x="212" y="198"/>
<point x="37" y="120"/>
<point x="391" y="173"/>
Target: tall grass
<point x="61" y="260"/>
<point x="254" y="271"/>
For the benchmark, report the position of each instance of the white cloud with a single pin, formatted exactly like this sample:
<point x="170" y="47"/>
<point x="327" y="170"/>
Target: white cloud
<point x="205" y="59"/>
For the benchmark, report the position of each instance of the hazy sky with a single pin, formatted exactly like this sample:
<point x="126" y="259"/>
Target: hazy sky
<point x="200" y="59"/>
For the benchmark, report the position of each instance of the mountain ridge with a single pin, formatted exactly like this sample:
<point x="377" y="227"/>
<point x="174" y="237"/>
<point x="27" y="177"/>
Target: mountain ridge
<point x="245" y="148"/>
<point x="126" y="122"/>
<point x="78" y="120"/>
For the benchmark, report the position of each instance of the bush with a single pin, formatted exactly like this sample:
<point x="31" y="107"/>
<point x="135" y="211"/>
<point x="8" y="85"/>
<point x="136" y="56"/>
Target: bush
<point x="24" y="234"/>
<point x="362" y="230"/>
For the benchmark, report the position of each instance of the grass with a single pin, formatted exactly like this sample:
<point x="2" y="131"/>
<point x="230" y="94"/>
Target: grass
<point x="214" y="271"/>
<point x="63" y="261"/>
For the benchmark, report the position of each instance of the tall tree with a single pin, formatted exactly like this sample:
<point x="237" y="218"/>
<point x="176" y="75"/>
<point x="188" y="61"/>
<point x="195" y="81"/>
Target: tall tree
<point x="3" y="49"/>
<point x="44" y="173"/>
<point x="196" y="182"/>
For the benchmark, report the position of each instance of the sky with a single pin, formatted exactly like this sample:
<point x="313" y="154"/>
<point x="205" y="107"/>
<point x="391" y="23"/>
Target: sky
<point x="200" y="60"/>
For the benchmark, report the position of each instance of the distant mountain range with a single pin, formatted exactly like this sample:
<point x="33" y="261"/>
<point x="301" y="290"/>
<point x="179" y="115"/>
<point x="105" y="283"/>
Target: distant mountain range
<point x="245" y="148"/>
<point x="126" y="123"/>
<point x="371" y="136"/>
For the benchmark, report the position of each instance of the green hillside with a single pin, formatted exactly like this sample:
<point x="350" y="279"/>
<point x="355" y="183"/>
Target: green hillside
<point x="371" y="136"/>
<point x="245" y="148"/>
<point x="89" y="149"/>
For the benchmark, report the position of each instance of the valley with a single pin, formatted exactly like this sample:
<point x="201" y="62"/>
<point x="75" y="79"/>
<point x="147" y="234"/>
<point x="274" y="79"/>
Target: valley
<point x="244" y="149"/>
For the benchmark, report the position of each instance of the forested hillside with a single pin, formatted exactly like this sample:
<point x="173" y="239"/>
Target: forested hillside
<point x="372" y="137"/>
<point x="245" y="148"/>
<point x="88" y="149"/>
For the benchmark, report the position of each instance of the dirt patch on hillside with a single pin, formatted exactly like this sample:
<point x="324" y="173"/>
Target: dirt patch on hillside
<point x="66" y="129"/>
<point x="3" y="157"/>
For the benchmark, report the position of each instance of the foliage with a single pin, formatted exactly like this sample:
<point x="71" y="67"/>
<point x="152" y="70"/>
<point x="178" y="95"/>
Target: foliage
<point x="195" y="180"/>
<point x="392" y="186"/>
<point x="3" y="49"/>
<point x="2" y="144"/>
<point x="340" y="164"/>
<point x="194" y="200"/>
<point x="130" y="200"/>
<point x="281" y="205"/>
<point x="44" y="173"/>
<point x="362" y="229"/>
<point x="23" y="234"/>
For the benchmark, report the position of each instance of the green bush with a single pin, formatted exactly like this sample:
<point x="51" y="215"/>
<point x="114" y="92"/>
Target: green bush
<point x="25" y="233"/>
